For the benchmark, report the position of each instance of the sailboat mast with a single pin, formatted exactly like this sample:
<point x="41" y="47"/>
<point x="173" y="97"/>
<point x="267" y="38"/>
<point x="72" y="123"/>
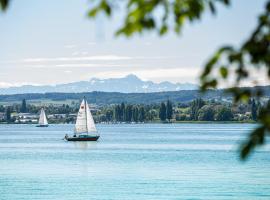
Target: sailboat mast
<point x="85" y="113"/>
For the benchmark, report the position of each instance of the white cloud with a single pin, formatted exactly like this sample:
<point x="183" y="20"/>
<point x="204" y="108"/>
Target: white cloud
<point x="79" y="58"/>
<point x="91" y="43"/>
<point x="16" y="84"/>
<point x="85" y="53"/>
<point x="5" y="85"/>
<point x="70" y="46"/>
<point x="86" y="65"/>
<point x="147" y="43"/>
<point x="75" y="53"/>
<point x="77" y="65"/>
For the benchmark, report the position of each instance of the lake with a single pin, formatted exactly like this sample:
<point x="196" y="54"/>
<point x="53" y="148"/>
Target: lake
<point x="132" y="162"/>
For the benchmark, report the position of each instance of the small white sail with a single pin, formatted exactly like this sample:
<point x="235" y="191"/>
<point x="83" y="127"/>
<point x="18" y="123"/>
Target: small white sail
<point x="42" y="118"/>
<point x="85" y="122"/>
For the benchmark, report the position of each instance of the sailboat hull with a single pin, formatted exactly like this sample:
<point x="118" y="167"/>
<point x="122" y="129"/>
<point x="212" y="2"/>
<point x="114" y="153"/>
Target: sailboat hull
<point x="40" y="125"/>
<point x="84" y="138"/>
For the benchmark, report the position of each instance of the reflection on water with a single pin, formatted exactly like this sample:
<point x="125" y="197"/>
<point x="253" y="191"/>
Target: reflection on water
<point x="85" y="145"/>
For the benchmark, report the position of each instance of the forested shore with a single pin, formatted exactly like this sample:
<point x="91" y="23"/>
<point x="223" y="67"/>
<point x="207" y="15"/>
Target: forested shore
<point x="198" y="110"/>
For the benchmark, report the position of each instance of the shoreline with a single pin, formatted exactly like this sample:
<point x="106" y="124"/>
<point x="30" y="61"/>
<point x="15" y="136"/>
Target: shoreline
<point x="177" y="122"/>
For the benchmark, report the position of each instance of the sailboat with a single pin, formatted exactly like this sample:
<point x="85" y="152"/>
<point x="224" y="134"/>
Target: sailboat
<point x="85" y="129"/>
<point x="42" y="122"/>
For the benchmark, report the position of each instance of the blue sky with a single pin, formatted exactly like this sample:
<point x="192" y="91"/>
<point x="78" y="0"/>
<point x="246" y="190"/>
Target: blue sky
<point x="50" y="42"/>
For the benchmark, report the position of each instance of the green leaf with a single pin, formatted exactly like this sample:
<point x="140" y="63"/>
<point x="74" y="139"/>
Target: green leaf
<point x="212" y="7"/>
<point x="105" y="7"/>
<point x="255" y="138"/>
<point x="223" y="72"/>
<point x="93" y="12"/>
<point x="4" y="4"/>
<point x="163" y="30"/>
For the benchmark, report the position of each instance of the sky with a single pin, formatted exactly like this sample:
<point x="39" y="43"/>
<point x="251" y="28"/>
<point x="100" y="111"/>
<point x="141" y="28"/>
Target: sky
<point x="53" y="42"/>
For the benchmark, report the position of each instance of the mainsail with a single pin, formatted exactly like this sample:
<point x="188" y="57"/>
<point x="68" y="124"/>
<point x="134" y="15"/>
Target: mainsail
<point x="85" y="122"/>
<point x="42" y="118"/>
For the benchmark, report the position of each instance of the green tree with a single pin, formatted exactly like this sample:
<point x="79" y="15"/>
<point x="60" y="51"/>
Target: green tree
<point x="109" y="115"/>
<point x="141" y="114"/>
<point x="128" y="113"/>
<point x="8" y="114"/>
<point x="23" y="106"/>
<point x="117" y="113"/>
<point x="135" y="114"/>
<point x="224" y="114"/>
<point x="102" y="118"/>
<point x="181" y="117"/>
<point x="2" y="108"/>
<point x="169" y="110"/>
<point x="254" y="110"/>
<point x="195" y="107"/>
<point x="152" y="114"/>
<point x="122" y="112"/>
<point x="206" y="113"/>
<point x="162" y="112"/>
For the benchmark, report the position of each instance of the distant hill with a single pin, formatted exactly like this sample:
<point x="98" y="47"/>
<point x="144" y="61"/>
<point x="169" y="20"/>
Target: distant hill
<point x="128" y="84"/>
<point x="106" y="98"/>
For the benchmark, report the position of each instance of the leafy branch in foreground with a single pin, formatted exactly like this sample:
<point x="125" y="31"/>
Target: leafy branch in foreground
<point x="254" y="53"/>
<point x="158" y="15"/>
<point x="4" y="4"/>
<point x="239" y="64"/>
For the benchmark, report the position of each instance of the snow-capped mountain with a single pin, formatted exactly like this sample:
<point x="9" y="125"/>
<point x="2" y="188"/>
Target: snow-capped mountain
<point x="128" y="84"/>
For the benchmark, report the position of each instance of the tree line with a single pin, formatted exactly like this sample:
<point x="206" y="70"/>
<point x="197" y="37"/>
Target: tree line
<point x="196" y="110"/>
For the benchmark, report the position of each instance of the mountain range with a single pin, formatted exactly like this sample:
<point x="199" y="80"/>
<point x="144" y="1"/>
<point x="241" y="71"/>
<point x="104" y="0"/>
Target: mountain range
<point x="127" y="84"/>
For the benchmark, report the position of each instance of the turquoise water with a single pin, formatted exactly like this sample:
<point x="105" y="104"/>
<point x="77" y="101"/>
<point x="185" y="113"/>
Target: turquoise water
<point x="136" y="161"/>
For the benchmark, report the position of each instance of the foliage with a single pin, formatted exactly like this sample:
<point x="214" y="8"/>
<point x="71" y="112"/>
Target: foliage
<point x="141" y="114"/>
<point x="254" y="109"/>
<point x="162" y="112"/>
<point x="117" y="113"/>
<point x="206" y="113"/>
<point x="194" y="108"/>
<point x="141" y="15"/>
<point x="169" y="110"/>
<point x="4" y="4"/>
<point x="23" y="107"/>
<point x="228" y="60"/>
<point x="181" y="117"/>
<point x="257" y="136"/>
<point x="2" y="108"/>
<point x="240" y="63"/>
<point x="224" y="114"/>
<point x="130" y="113"/>
<point x="109" y="115"/>
<point x="8" y="114"/>
<point x="135" y="114"/>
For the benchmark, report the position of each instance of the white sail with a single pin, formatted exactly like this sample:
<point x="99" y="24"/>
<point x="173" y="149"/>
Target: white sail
<point x="85" y="122"/>
<point x="42" y="118"/>
<point x="90" y="121"/>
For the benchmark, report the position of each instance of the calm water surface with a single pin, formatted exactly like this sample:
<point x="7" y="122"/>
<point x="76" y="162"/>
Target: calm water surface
<point x="143" y="161"/>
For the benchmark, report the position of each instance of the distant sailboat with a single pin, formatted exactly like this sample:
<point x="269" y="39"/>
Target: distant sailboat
<point x="85" y="129"/>
<point x="42" y="122"/>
